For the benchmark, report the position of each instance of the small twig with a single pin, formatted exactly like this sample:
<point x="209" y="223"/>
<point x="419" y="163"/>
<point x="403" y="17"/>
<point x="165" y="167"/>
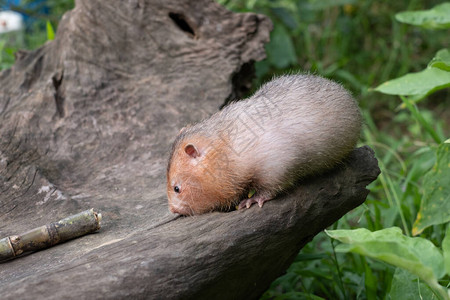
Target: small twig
<point x="49" y="235"/>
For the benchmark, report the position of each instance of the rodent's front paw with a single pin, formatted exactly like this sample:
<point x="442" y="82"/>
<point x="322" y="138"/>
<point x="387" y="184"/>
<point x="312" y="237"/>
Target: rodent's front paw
<point x="260" y="199"/>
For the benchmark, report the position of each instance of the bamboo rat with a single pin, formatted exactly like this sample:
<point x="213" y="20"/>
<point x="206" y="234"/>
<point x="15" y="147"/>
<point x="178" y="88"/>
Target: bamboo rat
<point x="293" y="127"/>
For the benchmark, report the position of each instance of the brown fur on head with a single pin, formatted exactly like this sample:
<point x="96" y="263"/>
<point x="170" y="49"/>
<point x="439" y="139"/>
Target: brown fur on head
<point x="200" y="176"/>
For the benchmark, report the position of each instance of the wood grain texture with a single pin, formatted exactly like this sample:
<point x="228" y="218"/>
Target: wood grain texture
<point x="87" y="121"/>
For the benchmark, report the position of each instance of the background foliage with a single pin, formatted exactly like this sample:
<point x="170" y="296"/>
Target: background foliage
<point x="361" y="44"/>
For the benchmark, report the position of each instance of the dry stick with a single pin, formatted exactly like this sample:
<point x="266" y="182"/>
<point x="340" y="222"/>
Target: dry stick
<point x="49" y="235"/>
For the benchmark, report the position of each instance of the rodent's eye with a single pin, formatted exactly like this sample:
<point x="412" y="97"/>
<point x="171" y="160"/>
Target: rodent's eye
<point x="176" y="189"/>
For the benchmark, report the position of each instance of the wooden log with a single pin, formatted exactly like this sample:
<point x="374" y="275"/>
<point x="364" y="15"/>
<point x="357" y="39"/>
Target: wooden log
<point x="87" y="121"/>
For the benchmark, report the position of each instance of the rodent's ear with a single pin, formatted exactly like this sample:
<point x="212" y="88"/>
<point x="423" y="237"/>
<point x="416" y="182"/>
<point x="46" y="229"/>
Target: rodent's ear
<point x="191" y="151"/>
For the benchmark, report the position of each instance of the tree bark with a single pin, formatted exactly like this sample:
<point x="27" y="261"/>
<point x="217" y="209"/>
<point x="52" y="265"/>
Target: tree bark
<point x="87" y="121"/>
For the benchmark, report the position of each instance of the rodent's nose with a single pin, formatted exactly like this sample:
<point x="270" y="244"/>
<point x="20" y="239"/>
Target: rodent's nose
<point x="180" y="210"/>
<point x="173" y="210"/>
<point x="177" y="206"/>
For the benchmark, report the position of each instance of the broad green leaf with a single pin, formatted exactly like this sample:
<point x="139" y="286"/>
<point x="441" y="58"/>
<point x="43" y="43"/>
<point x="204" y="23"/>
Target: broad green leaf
<point x="280" y="50"/>
<point x="446" y="249"/>
<point x="436" y="18"/>
<point x="417" y="255"/>
<point x="420" y="83"/>
<point x="50" y="31"/>
<point x="441" y="60"/>
<point x="406" y="286"/>
<point x="435" y="205"/>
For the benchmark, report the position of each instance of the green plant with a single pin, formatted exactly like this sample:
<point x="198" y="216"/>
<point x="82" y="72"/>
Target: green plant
<point x="408" y="141"/>
<point x="419" y="256"/>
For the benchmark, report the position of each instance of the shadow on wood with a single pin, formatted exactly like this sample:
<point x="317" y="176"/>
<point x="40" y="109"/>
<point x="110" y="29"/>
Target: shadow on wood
<point x="87" y="121"/>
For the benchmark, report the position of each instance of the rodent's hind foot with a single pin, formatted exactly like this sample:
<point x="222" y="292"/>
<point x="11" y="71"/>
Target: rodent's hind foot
<point x="260" y="199"/>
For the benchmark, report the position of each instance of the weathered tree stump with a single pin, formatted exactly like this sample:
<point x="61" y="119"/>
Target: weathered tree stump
<point x="87" y="121"/>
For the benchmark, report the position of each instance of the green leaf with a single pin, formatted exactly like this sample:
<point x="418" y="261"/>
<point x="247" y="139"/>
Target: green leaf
<point x="417" y="255"/>
<point x="435" y="205"/>
<point x="50" y="31"/>
<point x="310" y="256"/>
<point x="420" y="83"/>
<point x="446" y="249"/>
<point x="280" y="50"/>
<point x="436" y="18"/>
<point x="441" y="60"/>
<point x="370" y="282"/>
<point x="406" y="286"/>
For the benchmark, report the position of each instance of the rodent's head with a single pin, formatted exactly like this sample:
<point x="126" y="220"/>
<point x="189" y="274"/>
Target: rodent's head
<point x="199" y="176"/>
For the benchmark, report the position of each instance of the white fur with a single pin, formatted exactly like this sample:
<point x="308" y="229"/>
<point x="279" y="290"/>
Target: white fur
<point x="292" y="126"/>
